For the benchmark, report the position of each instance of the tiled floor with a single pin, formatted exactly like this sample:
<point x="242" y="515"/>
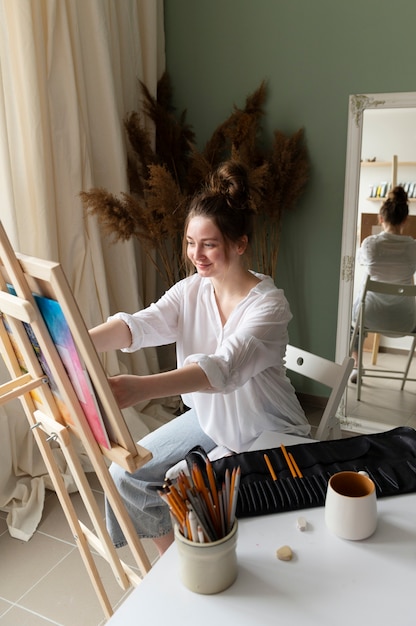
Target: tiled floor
<point x="44" y="581"/>
<point x="382" y="404"/>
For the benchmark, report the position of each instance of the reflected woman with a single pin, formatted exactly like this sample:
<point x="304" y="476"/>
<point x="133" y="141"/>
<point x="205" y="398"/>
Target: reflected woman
<point x="389" y="256"/>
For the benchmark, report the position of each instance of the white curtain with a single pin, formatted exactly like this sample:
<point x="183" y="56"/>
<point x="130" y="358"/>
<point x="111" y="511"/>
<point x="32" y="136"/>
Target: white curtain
<point x="69" y="72"/>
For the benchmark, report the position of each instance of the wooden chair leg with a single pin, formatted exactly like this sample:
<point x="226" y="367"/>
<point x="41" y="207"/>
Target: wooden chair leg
<point x="360" y="367"/>
<point x="409" y="362"/>
<point x="376" y="345"/>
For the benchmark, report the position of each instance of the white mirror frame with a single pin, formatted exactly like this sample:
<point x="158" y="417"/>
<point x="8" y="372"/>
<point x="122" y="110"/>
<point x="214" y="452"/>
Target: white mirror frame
<point x="357" y="105"/>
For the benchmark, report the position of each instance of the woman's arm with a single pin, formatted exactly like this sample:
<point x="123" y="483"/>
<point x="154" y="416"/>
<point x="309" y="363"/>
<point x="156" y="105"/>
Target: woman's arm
<point x="129" y="389"/>
<point x="112" y="335"/>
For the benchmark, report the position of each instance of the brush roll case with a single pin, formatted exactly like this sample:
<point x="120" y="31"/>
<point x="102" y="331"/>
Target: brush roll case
<point x="389" y="458"/>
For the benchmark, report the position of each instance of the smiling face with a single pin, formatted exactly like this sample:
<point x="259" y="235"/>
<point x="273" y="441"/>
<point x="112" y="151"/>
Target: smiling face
<point x="206" y="248"/>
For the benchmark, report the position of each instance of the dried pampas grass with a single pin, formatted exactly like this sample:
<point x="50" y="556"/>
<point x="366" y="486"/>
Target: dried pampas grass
<point x="163" y="178"/>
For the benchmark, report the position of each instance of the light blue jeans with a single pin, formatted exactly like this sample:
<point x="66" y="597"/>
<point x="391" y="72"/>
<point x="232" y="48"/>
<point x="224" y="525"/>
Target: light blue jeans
<point x="169" y="444"/>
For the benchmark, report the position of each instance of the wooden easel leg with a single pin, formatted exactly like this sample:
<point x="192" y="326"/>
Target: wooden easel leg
<point x="72" y="518"/>
<point x="101" y="542"/>
<point x="119" y="509"/>
<point x="125" y="522"/>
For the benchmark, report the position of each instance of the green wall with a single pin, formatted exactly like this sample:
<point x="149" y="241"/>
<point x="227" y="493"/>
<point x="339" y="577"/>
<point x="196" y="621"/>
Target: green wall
<point x="313" y="55"/>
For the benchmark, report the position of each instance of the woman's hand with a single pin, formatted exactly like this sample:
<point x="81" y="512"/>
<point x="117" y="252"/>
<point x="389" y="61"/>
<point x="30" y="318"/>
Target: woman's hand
<point x="128" y="390"/>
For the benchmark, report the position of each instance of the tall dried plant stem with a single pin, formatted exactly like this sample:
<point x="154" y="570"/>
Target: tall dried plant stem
<point x="163" y="179"/>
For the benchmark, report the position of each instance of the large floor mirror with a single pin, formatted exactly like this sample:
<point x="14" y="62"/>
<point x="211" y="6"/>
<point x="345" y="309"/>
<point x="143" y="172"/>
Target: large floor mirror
<point x="381" y="150"/>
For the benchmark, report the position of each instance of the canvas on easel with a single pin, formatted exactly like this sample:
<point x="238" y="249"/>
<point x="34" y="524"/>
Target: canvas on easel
<point x="61" y="336"/>
<point x="58" y="376"/>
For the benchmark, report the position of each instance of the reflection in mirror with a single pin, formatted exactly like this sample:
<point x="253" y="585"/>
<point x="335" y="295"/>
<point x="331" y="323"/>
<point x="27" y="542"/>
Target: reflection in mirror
<point x="381" y="151"/>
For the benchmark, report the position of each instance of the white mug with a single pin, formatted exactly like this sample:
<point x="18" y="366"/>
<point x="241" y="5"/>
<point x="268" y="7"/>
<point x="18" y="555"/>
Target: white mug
<point x="351" y="505"/>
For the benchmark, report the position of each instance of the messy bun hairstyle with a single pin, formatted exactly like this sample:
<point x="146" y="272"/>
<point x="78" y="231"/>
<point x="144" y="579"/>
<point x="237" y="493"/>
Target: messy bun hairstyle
<point x="395" y="209"/>
<point x="225" y="199"/>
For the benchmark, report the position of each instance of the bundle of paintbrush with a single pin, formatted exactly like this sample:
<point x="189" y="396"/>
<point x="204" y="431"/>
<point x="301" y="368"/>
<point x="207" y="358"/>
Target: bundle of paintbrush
<point x="203" y="510"/>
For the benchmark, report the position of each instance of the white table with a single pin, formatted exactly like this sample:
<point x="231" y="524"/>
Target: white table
<point x="329" y="581"/>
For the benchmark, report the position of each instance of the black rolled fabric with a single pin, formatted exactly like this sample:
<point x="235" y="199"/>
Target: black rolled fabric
<point x="389" y="458"/>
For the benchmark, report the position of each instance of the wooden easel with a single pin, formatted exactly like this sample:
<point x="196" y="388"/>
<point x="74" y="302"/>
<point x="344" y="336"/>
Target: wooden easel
<point x="48" y="422"/>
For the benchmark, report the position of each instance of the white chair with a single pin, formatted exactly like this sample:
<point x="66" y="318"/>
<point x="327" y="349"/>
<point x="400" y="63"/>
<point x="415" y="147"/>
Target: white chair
<point x="332" y="375"/>
<point x="362" y="328"/>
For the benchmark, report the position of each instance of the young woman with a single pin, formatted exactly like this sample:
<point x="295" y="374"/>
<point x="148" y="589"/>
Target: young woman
<point x="230" y="329"/>
<point x="389" y="257"/>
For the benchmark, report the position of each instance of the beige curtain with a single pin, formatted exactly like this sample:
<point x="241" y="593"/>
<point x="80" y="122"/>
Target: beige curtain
<point x="69" y="72"/>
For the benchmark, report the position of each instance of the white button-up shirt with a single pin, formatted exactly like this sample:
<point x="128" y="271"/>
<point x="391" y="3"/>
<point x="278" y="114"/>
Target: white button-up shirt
<point x="243" y="360"/>
<point x="389" y="258"/>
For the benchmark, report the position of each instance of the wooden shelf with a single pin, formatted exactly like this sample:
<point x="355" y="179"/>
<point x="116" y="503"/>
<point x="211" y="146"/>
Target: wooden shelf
<point x="394" y="165"/>
<point x="382" y="199"/>
<point x="386" y="163"/>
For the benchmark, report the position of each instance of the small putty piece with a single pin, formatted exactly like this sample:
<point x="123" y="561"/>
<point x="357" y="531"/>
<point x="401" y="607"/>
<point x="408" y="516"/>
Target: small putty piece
<point x="284" y="553"/>
<point x="301" y="523"/>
